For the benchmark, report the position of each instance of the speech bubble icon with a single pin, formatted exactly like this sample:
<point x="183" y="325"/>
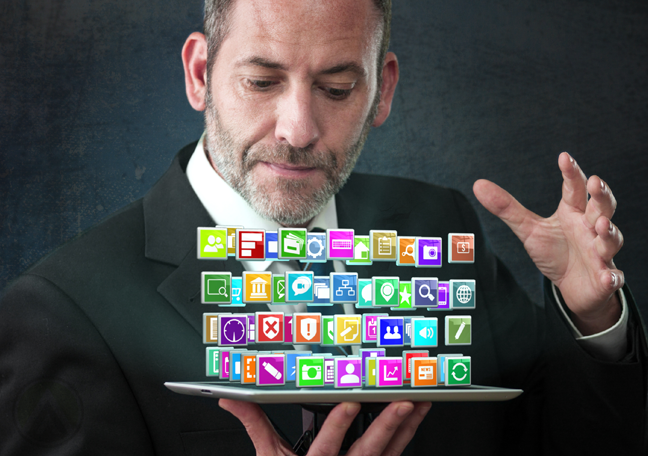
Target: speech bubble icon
<point x="301" y="285"/>
<point x="387" y="291"/>
<point x="366" y="293"/>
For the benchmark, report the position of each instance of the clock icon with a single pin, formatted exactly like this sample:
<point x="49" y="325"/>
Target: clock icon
<point x="234" y="331"/>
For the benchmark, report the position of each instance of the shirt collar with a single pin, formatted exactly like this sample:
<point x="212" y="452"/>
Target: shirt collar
<point x="227" y="208"/>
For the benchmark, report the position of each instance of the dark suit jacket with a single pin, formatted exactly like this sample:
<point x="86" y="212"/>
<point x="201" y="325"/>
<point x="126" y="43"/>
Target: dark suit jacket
<point x="89" y="335"/>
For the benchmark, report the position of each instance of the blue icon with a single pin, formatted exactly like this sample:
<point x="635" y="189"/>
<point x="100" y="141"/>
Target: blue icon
<point x="344" y="287"/>
<point x="424" y="332"/>
<point x="322" y="291"/>
<point x="291" y="364"/>
<point x="315" y="248"/>
<point x="390" y="331"/>
<point x="237" y="290"/>
<point x="235" y="366"/>
<point x="428" y="252"/>
<point x="272" y="245"/>
<point x="299" y="286"/>
<point x="407" y="334"/>
<point x="425" y="292"/>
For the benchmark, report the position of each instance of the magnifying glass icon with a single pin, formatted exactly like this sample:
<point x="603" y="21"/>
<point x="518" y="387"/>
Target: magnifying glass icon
<point x="407" y="251"/>
<point x="427" y="294"/>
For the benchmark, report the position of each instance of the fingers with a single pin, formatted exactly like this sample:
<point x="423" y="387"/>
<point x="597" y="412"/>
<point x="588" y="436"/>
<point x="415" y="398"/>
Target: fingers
<point x="609" y="240"/>
<point x="407" y="429"/>
<point x="257" y="425"/>
<point x="329" y="438"/>
<point x="602" y="201"/>
<point x="574" y="188"/>
<point x="500" y="203"/>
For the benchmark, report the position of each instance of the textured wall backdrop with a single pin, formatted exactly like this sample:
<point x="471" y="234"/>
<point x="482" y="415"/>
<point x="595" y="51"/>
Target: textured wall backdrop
<point x="92" y="110"/>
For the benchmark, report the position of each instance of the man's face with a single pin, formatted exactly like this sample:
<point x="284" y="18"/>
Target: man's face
<point x="291" y="97"/>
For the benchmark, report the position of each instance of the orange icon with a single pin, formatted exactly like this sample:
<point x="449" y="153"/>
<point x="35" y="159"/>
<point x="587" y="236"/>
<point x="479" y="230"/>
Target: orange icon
<point x="307" y="328"/>
<point x="424" y="371"/>
<point x="461" y="248"/>
<point x="406" y="251"/>
<point x="248" y="361"/>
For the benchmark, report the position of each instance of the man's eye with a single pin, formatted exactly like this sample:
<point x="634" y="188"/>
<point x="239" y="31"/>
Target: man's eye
<point x="260" y="84"/>
<point x="337" y="94"/>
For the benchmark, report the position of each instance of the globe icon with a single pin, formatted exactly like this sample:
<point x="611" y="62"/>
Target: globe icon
<point x="464" y="293"/>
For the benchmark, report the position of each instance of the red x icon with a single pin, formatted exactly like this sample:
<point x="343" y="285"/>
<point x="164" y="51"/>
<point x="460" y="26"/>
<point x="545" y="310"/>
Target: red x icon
<point x="271" y="325"/>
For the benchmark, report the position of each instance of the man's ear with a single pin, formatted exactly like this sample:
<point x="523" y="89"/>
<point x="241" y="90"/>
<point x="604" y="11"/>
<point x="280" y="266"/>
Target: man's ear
<point x="194" y="61"/>
<point x="389" y="81"/>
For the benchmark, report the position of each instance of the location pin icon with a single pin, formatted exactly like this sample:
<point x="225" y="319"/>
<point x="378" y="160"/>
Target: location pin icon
<point x="387" y="291"/>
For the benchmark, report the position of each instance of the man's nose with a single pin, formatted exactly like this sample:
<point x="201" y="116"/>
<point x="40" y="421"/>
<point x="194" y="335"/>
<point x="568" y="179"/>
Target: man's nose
<point x="296" y="120"/>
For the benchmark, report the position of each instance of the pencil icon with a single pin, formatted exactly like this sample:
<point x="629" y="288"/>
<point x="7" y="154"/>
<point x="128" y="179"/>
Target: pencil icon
<point x="460" y="330"/>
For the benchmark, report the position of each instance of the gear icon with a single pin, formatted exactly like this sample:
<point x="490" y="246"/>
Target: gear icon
<point x="320" y="251"/>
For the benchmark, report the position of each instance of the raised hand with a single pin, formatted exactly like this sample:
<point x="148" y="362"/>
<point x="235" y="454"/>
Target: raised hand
<point x="388" y="434"/>
<point x="575" y="247"/>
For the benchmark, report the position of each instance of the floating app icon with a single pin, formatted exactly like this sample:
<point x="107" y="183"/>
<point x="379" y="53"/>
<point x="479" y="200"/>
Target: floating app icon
<point x="441" y="365"/>
<point x="250" y="244"/>
<point x="458" y="330"/>
<point x="278" y="289"/>
<point x="423" y="372"/>
<point x="288" y="329"/>
<point x="248" y="363"/>
<point x="271" y="245"/>
<point x="329" y="370"/>
<point x="424" y="291"/>
<point x="213" y="361"/>
<point x="271" y="370"/>
<point x="404" y="296"/>
<point x="457" y="370"/>
<point x="212" y="243"/>
<point x="348" y="372"/>
<point x="210" y="327"/>
<point x="390" y="331"/>
<point x="344" y="287"/>
<point x="407" y="333"/>
<point x="370" y="371"/>
<point x="348" y="329"/>
<point x="291" y="363"/>
<point x="462" y="294"/>
<point x="216" y="287"/>
<point x="310" y="371"/>
<point x="270" y="327"/>
<point x="307" y="328"/>
<point x="315" y="248"/>
<point x="443" y="296"/>
<point x="461" y="248"/>
<point x="383" y="245"/>
<point x="428" y="252"/>
<point x="360" y="251"/>
<point x="299" y="286"/>
<point x="370" y="326"/>
<point x="232" y="330"/>
<point x="237" y="293"/>
<point x="407" y="356"/>
<point x="235" y="366"/>
<point x="406" y="255"/>
<point x="365" y="298"/>
<point x="390" y="371"/>
<point x="370" y="353"/>
<point x="251" y="327"/>
<point x="322" y="291"/>
<point x="385" y="291"/>
<point x="257" y="287"/>
<point x="340" y="243"/>
<point x="223" y="369"/>
<point x="328" y="330"/>
<point x="424" y="332"/>
<point x="292" y="243"/>
<point x="231" y="238"/>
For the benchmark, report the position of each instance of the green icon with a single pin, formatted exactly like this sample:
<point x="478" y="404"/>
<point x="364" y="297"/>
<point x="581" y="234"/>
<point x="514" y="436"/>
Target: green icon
<point x="360" y="251"/>
<point x="292" y="243"/>
<point x="404" y="297"/>
<point x="212" y="243"/>
<point x="364" y="293"/>
<point x="386" y="291"/>
<point x="458" y="330"/>
<point x="457" y="371"/>
<point x="278" y="289"/>
<point x="310" y="371"/>
<point x="462" y="294"/>
<point x="216" y="287"/>
<point x="328" y="331"/>
<point x="213" y="359"/>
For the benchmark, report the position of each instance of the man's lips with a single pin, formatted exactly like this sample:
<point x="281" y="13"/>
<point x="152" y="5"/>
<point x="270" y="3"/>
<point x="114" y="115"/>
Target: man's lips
<point x="289" y="170"/>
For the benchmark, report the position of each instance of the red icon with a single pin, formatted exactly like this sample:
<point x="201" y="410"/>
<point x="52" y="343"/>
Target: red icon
<point x="270" y="327"/>
<point x="408" y="355"/>
<point x="250" y="244"/>
<point x="461" y="248"/>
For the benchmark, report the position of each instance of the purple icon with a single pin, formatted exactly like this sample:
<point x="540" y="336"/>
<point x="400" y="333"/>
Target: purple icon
<point x="232" y="330"/>
<point x="340" y="244"/>
<point x="270" y="370"/>
<point x="424" y="292"/>
<point x="224" y="364"/>
<point x="251" y="326"/>
<point x="443" y="297"/>
<point x="288" y="334"/>
<point x="389" y="371"/>
<point x="428" y="252"/>
<point x="348" y="372"/>
<point x="370" y="353"/>
<point x="329" y="371"/>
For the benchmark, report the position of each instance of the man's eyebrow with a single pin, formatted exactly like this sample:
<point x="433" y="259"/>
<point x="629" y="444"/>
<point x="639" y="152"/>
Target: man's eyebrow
<point x="345" y="67"/>
<point x="260" y="61"/>
<point x="350" y="67"/>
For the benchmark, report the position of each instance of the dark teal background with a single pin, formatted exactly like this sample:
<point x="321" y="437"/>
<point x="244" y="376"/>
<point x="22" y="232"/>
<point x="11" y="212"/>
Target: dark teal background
<point x="92" y="110"/>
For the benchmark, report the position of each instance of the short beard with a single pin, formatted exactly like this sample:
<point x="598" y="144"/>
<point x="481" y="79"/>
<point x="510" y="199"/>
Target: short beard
<point x="285" y="201"/>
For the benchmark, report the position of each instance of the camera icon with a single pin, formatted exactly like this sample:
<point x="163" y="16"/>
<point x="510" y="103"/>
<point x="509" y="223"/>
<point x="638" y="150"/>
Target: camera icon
<point x="312" y="372"/>
<point x="430" y="252"/>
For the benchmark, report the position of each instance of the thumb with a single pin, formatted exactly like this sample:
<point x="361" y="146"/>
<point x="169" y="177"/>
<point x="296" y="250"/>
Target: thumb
<point x="257" y="424"/>
<point x="501" y="203"/>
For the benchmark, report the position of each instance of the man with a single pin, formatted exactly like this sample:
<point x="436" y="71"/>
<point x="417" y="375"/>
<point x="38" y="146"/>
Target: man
<point x="291" y="89"/>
